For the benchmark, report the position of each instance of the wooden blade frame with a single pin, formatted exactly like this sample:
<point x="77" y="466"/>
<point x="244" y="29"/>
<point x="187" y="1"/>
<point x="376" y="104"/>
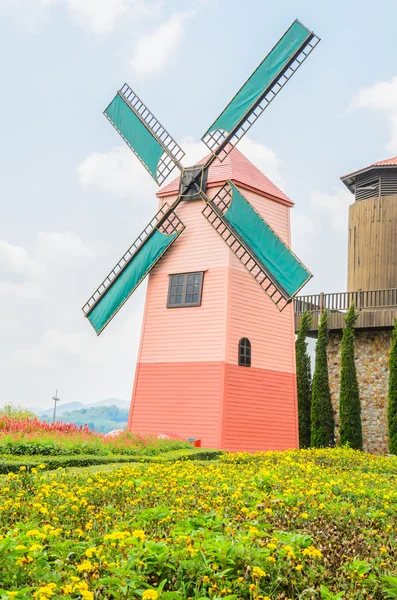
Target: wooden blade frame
<point x="213" y="212"/>
<point x="173" y="153"/>
<point x="220" y="142"/>
<point x="165" y="221"/>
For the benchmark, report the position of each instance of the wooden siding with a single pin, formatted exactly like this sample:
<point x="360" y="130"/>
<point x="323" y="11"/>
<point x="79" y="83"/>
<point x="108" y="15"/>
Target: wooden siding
<point x="367" y="319"/>
<point x="181" y="398"/>
<point x="190" y="333"/>
<point x="253" y="315"/>
<point x="187" y="380"/>
<point x="372" y="246"/>
<point x="260" y="410"/>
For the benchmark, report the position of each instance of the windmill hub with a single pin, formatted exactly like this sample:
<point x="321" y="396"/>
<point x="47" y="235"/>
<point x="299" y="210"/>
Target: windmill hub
<point x="193" y="182"/>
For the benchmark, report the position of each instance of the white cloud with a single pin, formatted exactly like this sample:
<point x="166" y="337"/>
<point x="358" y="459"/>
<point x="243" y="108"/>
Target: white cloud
<point x="380" y="97"/>
<point x="335" y="206"/>
<point x="118" y="172"/>
<point x="58" y="347"/>
<point x="28" y="14"/>
<point x="303" y="227"/>
<point x="62" y="245"/>
<point x="153" y="51"/>
<point x="29" y="290"/>
<point x="100" y="17"/>
<point x="15" y="260"/>
<point x="103" y="16"/>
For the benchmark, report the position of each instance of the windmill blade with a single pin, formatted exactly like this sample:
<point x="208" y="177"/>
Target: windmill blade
<point x="132" y="268"/>
<point x="266" y="257"/>
<point x="151" y="143"/>
<point x="260" y="89"/>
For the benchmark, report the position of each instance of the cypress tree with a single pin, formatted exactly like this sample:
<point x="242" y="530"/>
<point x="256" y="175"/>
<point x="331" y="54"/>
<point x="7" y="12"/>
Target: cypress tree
<point x="349" y="400"/>
<point x="322" y="416"/>
<point x="392" y="400"/>
<point x="303" y="380"/>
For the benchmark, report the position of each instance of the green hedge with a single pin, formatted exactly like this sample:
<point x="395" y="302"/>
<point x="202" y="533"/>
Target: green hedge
<point x="13" y="464"/>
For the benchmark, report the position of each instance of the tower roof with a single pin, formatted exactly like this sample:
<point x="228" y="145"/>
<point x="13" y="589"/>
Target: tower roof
<point x="350" y="178"/>
<point x="237" y="168"/>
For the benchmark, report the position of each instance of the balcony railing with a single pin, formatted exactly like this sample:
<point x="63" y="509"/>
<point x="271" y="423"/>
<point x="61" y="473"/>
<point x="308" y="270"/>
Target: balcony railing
<point x="340" y="302"/>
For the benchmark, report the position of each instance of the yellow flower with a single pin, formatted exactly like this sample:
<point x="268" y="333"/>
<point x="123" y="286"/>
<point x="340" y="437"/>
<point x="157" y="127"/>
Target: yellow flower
<point x="67" y="589"/>
<point x="139" y="534"/>
<point x="150" y="595"/>
<point x="257" y="572"/>
<point x="299" y="567"/>
<point x="23" y="468"/>
<point x="12" y="594"/>
<point x="271" y="546"/>
<point x="304" y="515"/>
<point x="42" y="467"/>
<point x="86" y="565"/>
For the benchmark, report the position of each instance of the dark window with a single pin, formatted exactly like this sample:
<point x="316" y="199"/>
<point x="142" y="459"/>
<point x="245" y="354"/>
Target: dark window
<point x="185" y="290"/>
<point x="244" y="352"/>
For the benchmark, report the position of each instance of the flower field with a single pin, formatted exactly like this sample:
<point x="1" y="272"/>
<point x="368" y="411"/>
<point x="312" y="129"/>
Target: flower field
<point x="30" y="437"/>
<point x="299" y="524"/>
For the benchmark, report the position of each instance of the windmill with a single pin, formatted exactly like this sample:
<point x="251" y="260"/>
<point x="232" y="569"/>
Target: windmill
<point x="262" y="252"/>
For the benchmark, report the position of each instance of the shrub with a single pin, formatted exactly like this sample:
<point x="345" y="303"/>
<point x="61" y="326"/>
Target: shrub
<point x="303" y="380"/>
<point x="322" y="416"/>
<point x="349" y="401"/>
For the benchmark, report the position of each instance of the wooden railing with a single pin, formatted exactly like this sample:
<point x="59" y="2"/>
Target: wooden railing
<point x="341" y="301"/>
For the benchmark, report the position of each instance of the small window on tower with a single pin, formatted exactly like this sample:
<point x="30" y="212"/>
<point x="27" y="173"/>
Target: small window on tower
<point x="185" y="290"/>
<point x="244" y="352"/>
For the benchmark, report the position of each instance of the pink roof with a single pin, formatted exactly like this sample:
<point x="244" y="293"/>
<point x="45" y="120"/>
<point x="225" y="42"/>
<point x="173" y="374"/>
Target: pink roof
<point x="237" y="168"/>
<point x="389" y="162"/>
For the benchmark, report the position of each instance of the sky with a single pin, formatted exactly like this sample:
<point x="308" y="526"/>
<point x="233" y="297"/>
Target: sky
<point x="73" y="197"/>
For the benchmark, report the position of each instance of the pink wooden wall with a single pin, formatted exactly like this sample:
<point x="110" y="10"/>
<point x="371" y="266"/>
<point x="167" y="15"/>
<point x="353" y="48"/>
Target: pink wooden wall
<point x="187" y="378"/>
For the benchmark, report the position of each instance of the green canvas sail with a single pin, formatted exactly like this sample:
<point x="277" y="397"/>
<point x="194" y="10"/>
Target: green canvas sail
<point x="262" y="79"/>
<point x="129" y="279"/>
<point x="283" y="266"/>
<point x="138" y="137"/>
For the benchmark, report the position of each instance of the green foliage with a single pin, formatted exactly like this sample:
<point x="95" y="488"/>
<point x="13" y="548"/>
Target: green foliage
<point x="349" y="401"/>
<point x="303" y="378"/>
<point x="299" y="524"/>
<point x="13" y="464"/>
<point x="48" y="444"/>
<point x="16" y="411"/>
<point x="392" y="400"/>
<point x="322" y="416"/>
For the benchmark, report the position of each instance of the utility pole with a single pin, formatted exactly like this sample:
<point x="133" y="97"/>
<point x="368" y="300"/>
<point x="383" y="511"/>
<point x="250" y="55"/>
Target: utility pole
<point x="56" y="399"/>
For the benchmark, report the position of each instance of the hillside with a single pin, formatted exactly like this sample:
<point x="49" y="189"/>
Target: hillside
<point x="72" y="406"/>
<point x="98" y="418"/>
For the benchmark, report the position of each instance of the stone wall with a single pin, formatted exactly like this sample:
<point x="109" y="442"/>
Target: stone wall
<point x="372" y="355"/>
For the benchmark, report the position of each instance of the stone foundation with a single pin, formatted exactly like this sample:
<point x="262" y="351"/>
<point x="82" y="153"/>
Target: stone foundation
<point x="372" y="355"/>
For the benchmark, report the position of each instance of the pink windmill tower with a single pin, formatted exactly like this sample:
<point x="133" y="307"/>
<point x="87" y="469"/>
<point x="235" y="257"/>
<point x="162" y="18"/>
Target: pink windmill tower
<point x="216" y="358"/>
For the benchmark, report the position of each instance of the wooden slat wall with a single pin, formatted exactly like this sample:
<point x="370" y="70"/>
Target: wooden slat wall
<point x="372" y="250"/>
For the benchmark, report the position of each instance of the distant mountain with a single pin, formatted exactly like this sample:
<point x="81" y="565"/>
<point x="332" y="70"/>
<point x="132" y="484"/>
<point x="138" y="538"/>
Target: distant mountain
<point x="98" y="418"/>
<point x="71" y="406"/>
<point x="61" y="408"/>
